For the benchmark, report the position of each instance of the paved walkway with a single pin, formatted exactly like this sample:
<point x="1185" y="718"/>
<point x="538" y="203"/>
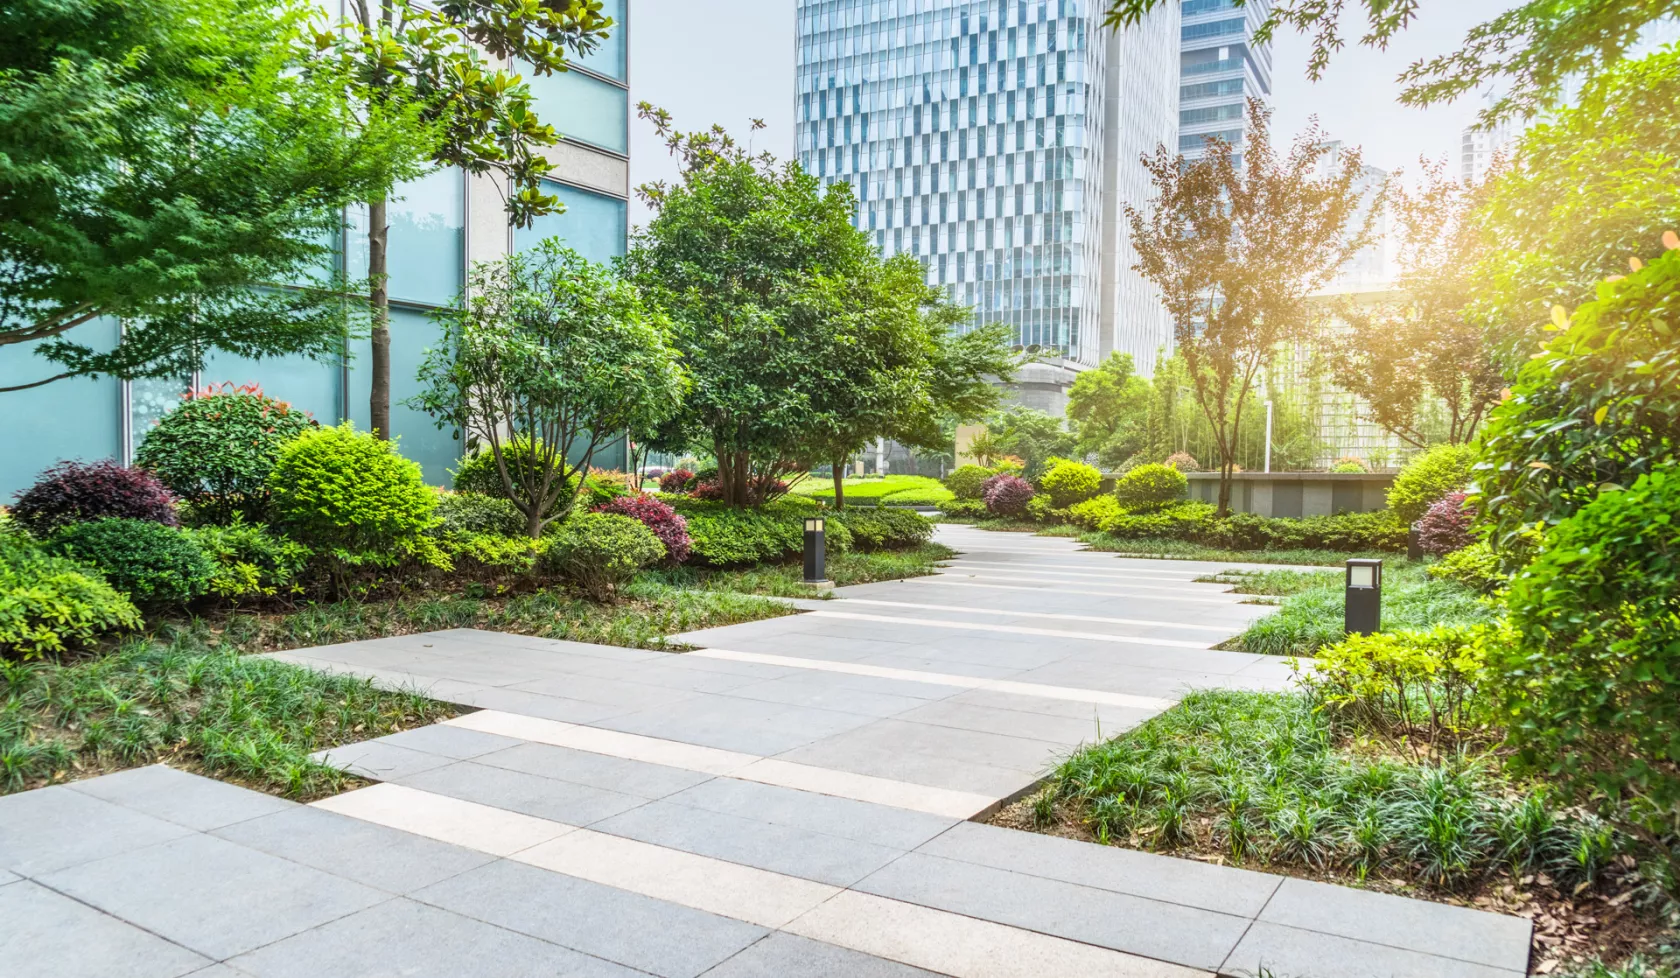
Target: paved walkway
<point x="792" y="799"/>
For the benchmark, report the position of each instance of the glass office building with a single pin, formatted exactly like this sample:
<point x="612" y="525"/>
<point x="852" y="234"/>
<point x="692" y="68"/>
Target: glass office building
<point x="1220" y="68"/>
<point x="439" y="225"/>
<point x="973" y="135"/>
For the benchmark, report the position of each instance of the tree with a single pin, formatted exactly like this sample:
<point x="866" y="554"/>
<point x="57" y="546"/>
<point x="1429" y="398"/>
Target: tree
<point x="1109" y="407"/>
<point x="159" y="162"/>
<point x="1034" y="436"/>
<point x="432" y="61"/>
<point x="1426" y="347"/>
<point x="551" y="353"/>
<point x="1236" y="248"/>
<point x="754" y="261"/>
<point x="1535" y="49"/>
<point x="1590" y="188"/>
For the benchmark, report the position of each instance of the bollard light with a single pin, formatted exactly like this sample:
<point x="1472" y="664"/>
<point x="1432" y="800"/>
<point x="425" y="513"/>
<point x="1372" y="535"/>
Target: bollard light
<point x="1362" y="610"/>
<point x="1414" y="543"/>
<point x="814" y="571"/>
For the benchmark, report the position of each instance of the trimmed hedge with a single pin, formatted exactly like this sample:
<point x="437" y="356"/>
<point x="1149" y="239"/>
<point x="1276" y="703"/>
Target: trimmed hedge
<point x="884" y="528"/>
<point x="1195" y="523"/>
<point x="150" y="562"/>
<point x="724" y="536"/>
<point x="601" y="552"/>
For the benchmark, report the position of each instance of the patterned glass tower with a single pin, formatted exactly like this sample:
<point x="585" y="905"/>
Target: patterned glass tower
<point x="1220" y="68"/>
<point x="972" y="132"/>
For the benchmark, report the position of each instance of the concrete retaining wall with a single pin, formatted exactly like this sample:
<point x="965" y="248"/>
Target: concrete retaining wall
<point x="1297" y="493"/>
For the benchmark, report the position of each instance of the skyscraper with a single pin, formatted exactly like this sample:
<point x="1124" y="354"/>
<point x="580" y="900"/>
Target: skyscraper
<point x="1220" y="68"/>
<point x="974" y="134"/>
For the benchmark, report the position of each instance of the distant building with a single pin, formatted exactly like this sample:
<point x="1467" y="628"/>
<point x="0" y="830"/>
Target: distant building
<point x="1220" y="68"/>
<point x="994" y="140"/>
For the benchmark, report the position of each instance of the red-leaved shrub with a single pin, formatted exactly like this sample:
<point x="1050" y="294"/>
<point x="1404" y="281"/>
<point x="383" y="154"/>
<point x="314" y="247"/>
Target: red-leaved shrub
<point x="759" y="490"/>
<point x="675" y="480"/>
<point x="1007" y="495"/>
<point x="78" y="492"/>
<point x="666" y="523"/>
<point x="708" y="489"/>
<point x="1445" y="527"/>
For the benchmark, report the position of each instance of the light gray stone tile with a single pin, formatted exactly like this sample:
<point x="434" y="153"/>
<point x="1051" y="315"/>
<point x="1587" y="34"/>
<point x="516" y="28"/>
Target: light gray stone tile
<point x="380" y="761"/>
<point x="847" y="818"/>
<point x="457" y="743"/>
<point x="1184" y="881"/>
<point x="51" y="828"/>
<point x="1496" y="940"/>
<point x="1165" y="931"/>
<point x="860" y="753"/>
<point x="210" y="895"/>
<point x="787" y="956"/>
<point x="626" y="928"/>
<point x="750" y="842"/>
<point x="366" y="853"/>
<point x="560" y="801"/>
<point x="1288" y="952"/>
<point x="596" y="770"/>
<point x="185" y="799"/>
<point x="8" y="877"/>
<point x="531" y="704"/>
<point x="402" y="937"/>
<point x="47" y="933"/>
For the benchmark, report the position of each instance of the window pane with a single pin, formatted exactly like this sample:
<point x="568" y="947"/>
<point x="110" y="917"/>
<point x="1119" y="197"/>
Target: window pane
<point x="594" y="225"/>
<point x="582" y="108"/>
<point x="412" y="333"/>
<point x="426" y="239"/>
<point x="65" y="419"/>
<point x="608" y="59"/>
<point x="306" y="384"/>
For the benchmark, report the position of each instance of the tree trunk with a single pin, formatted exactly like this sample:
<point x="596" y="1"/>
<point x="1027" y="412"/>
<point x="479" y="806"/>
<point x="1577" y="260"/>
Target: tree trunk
<point x="379" y="400"/>
<point x="839" y="484"/>
<point x="534" y="523"/>
<point x="1225" y="477"/>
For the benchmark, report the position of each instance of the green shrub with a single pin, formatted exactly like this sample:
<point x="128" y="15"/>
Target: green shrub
<point x="1070" y="482"/>
<point x="1428" y="477"/>
<point x="1092" y="513"/>
<point x="1040" y="509"/>
<point x="349" y="496"/>
<point x="1476" y="567"/>
<point x="933" y="495"/>
<point x="251" y="562"/>
<point x="1349" y="464"/>
<point x="1183" y="462"/>
<point x="150" y="562"/>
<point x="49" y="603"/>
<point x="971" y="509"/>
<point x="1194" y="522"/>
<point x="478" y="473"/>
<point x="883" y="528"/>
<point x="725" y="536"/>
<point x="1591" y="687"/>
<point x="599" y="552"/>
<point x="965" y="481"/>
<point x="217" y="448"/>
<point x="1150" y="487"/>
<point x="490" y="555"/>
<point x="1398" y="682"/>
<point x="462" y="513"/>
<point x="602" y="486"/>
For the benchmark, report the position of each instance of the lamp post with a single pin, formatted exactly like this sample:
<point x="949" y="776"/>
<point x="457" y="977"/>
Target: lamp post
<point x="1268" y="434"/>
<point x="814" y="556"/>
<point x="1362" y="608"/>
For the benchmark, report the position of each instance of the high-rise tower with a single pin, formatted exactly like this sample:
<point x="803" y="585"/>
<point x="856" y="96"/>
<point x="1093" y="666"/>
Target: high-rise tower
<point x="1220" y="68"/>
<point x="974" y="134"/>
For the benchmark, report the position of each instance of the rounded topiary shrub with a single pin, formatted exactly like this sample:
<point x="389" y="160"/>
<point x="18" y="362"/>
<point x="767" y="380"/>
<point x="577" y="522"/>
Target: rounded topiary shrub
<point x="1349" y="465"/>
<point x="659" y="517"/>
<point x="77" y="492"/>
<point x="217" y="448"/>
<point x="600" y="552"/>
<point x="676" y="480"/>
<point x="350" y="497"/>
<point x="1183" y="462"/>
<point x="464" y="513"/>
<point x="1071" y="482"/>
<point x="50" y="603"/>
<point x="1428" y="477"/>
<point x="1150" y="487"/>
<point x="150" y="562"/>
<point x="966" y="481"/>
<point x="1008" y="495"/>
<point x="1445" y="527"/>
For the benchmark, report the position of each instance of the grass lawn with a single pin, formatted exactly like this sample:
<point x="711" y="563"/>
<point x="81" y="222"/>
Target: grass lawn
<point x="1262" y="780"/>
<point x="907" y="490"/>
<point x="1311" y="612"/>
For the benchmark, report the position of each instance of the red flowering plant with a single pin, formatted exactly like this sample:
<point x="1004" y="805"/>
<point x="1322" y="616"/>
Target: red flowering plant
<point x="666" y="523"/>
<point x="217" y="448"/>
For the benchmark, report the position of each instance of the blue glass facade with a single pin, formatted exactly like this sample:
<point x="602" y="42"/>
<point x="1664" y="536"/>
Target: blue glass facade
<point x="1220" y="68"/>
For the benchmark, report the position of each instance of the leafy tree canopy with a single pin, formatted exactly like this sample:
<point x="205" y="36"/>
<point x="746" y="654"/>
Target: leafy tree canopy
<point x="1031" y="435"/>
<point x="1535" y="48"/>
<point x="158" y="160"/>
<point x="1109" y="407"/>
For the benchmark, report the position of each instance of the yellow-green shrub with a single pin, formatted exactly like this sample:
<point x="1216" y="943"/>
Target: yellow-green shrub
<point x="1070" y="482"/>
<point x="1092" y="513"/>
<point x="1396" y="682"/>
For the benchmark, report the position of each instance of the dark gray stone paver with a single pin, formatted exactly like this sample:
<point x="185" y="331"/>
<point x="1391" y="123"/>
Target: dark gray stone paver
<point x="629" y="929"/>
<point x="51" y="828"/>
<point x="1417" y="925"/>
<point x="366" y="853"/>
<point x="47" y="933"/>
<point x="457" y="743"/>
<point x="179" y="797"/>
<point x="381" y="761"/>
<point x="1166" y="931"/>
<point x="402" y="937"/>
<point x="559" y="801"/>
<point x="847" y="818"/>
<point x="1288" y="952"/>
<point x="210" y="895"/>
<point x="618" y="774"/>
<point x="787" y="956"/>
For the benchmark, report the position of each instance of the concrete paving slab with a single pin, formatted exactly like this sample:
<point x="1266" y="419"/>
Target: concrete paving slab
<point x="1288" y="951"/>
<point x="47" y="933"/>
<point x="528" y="794"/>
<point x="455" y="743"/>
<point x="212" y="896"/>
<point x="618" y="774"/>
<point x="380" y="761"/>
<point x="363" y="852"/>
<point x="53" y="828"/>
<point x="847" y="818"/>
<point x="182" y="798"/>
<point x="786" y="956"/>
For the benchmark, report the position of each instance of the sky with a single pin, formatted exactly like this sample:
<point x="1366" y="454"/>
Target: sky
<point x="729" y="61"/>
